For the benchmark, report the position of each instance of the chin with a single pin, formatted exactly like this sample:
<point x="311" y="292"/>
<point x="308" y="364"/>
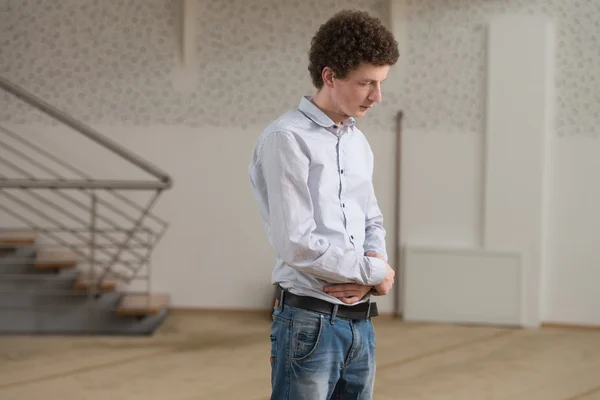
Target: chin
<point x="359" y="112"/>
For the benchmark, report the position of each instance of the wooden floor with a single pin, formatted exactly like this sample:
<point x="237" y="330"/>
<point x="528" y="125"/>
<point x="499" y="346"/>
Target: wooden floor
<point x="226" y="356"/>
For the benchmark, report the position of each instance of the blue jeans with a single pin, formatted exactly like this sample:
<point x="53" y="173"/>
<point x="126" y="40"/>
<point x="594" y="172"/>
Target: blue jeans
<point x="316" y="357"/>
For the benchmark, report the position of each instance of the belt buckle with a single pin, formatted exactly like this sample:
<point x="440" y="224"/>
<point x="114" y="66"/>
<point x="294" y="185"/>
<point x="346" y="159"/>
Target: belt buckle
<point x="368" y="308"/>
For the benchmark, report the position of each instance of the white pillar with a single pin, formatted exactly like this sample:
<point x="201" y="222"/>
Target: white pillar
<point x="518" y="145"/>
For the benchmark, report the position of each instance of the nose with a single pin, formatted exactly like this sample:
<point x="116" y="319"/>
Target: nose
<point x="375" y="95"/>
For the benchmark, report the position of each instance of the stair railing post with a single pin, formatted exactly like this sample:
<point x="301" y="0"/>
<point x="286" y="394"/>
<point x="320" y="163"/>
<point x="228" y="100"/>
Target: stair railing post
<point x="92" y="258"/>
<point x="149" y="272"/>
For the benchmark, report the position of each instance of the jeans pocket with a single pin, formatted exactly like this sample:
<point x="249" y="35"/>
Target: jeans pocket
<point x="307" y="328"/>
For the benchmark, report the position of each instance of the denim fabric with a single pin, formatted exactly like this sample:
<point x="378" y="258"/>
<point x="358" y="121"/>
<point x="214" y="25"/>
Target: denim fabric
<point x="317" y="357"/>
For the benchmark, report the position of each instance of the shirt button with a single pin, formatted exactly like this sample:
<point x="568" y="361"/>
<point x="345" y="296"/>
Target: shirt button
<point x="344" y="205"/>
<point x="342" y="171"/>
<point x="351" y="236"/>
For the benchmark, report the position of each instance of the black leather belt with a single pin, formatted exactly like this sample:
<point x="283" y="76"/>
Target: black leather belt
<point x="359" y="311"/>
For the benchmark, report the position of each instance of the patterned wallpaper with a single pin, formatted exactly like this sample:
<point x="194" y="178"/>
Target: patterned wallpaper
<point x="445" y="88"/>
<point x="115" y="61"/>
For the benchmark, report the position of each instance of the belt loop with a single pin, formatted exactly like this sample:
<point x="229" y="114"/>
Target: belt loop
<point x="369" y="308"/>
<point x="281" y="296"/>
<point x="334" y="313"/>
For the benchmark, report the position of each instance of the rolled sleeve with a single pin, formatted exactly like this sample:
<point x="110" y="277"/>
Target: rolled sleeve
<point x="378" y="271"/>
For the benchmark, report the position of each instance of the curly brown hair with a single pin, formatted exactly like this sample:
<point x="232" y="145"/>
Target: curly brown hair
<point x="347" y="39"/>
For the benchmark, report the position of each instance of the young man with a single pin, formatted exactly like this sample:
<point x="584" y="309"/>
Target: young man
<point x="311" y="174"/>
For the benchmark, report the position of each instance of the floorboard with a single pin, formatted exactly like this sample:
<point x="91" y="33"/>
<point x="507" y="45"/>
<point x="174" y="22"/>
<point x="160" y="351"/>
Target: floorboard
<point x="223" y="356"/>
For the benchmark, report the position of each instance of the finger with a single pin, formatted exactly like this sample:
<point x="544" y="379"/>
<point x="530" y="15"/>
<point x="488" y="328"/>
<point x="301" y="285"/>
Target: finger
<point x="350" y="300"/>
<point x="345" y="294"/>
<point x="339" y="288"/>
<point x="375" y="255"/>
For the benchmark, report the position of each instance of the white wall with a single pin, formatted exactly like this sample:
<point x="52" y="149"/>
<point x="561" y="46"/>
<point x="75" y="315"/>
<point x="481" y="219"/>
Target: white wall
<point x="444" y="101"/>
<point x="115" y="67"/>
<point x="214" y="254"/>
<point x="251" y="67"/>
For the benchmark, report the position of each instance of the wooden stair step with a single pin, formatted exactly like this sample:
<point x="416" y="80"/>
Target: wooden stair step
<point x="17" y="238"/>
<point x="108" y="284"/>
<point x="46" y="258"/>
<point x="142" y="304"/>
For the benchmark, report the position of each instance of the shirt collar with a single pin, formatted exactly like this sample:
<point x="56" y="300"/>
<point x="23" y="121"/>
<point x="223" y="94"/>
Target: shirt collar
<point x="319" y="117"/>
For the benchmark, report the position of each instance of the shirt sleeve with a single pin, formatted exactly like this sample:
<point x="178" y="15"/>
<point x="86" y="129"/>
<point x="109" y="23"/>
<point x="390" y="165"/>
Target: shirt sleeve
<point x="374" y="231"/>
<point x="286" y="168"/>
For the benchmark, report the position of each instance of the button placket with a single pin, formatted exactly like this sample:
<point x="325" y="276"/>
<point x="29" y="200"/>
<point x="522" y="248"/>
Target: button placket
<point x="343" y="174"/>
<point x="341" y="169"/>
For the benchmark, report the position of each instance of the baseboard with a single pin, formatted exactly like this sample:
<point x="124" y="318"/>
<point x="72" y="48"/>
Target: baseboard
<point x="578" y="327"/>
<point x="216" y="311"/>
<point x="196" y="311"/>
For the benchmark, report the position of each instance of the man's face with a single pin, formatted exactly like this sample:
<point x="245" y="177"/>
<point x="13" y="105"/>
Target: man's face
<point x="360" y="90"/>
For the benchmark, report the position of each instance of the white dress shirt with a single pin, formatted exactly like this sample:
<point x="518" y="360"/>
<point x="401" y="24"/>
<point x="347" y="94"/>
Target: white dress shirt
<point x="313" y="183"/>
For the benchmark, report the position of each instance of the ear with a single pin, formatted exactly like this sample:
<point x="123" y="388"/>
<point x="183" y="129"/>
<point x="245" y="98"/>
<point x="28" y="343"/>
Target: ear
<point x="327" y="75"/>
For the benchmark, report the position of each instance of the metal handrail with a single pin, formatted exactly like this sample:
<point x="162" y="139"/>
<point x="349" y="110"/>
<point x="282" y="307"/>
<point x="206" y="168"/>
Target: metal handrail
<point x="68" y="197"/>
<point x="81" y="184"/>
<point x="88" y="249"/>
<point x="165" y="179"/>
<point x="76" y="171"/>
<point x="66" y="212"/>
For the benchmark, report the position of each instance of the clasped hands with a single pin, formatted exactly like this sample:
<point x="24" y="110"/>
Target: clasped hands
<point x="350" y="293"/>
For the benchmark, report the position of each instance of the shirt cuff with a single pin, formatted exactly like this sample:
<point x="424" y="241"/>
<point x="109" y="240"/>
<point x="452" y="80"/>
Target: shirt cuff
<point x="378" y="270"/>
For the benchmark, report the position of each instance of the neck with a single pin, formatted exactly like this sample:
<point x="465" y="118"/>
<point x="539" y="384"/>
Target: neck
<point x="322" y="100"/>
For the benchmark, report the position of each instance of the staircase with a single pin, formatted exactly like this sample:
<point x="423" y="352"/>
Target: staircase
<point x="72" y="245"/>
